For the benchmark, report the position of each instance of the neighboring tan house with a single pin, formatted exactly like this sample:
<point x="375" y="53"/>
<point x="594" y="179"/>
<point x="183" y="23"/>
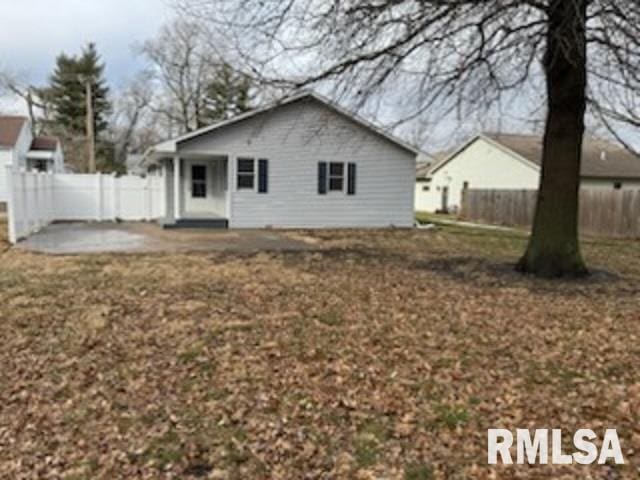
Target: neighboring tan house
<point x="302" y="163"/>
<point x="18" y="147"/>
<point x="504" y="161"/>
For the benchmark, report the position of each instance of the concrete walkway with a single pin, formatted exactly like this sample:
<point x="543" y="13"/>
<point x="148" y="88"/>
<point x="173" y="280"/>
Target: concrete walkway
<point x="78" y="238"/>
<point x="462" y="223"/>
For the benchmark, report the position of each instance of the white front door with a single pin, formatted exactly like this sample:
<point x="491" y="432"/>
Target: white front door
<point x="205" y="187"/>
<point x="198" y="185"/>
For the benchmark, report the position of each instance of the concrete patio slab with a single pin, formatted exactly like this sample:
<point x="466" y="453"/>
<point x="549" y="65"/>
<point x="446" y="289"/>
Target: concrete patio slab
<point x="79" y="238"/>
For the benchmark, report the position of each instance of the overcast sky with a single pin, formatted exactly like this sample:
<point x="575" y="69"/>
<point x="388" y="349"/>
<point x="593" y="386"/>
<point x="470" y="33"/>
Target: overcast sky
<point x="34" y="32"/>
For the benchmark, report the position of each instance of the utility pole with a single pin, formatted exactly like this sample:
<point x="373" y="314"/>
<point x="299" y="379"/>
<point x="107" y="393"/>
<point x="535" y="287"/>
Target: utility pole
<point x="91" y="137"/>
<point x="32" y="117"/>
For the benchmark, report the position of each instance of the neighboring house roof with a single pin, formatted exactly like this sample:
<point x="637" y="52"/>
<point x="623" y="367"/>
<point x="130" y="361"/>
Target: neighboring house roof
<point x="170" y="146"/>
<point x="422" y="169"/>
<point x="600" y="158"/>
<point x="10" y="128"/>
<point x="44" y="143"/>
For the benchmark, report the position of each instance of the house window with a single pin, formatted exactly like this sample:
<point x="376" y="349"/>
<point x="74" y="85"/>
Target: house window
<point x="465" y="186"/>
<point x="40" y="165"/>
<point x="246" y="173"/>
<point x="198" y="181"/>
<point x="617" y="185"/>
<point x="426" y="188"/>
<point x="336" y="177"/>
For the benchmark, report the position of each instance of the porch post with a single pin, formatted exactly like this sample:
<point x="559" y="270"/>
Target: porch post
<point x="176" y="187"/>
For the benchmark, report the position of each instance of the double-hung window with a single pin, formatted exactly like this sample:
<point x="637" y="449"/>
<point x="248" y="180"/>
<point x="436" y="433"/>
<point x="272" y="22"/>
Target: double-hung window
<point x="336" y="177"/>
<point x="246" y="173"/>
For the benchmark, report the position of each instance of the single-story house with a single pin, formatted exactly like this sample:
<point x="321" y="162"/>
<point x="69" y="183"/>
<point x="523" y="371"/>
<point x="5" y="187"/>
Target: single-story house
<point x="304" y="162"/>
<point x="506" y="161"/>
<point x="20" y="148"/>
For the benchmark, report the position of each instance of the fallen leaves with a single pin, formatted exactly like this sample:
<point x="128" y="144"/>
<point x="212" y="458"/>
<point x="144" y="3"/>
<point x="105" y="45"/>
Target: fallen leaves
<point x="380" y="355"/>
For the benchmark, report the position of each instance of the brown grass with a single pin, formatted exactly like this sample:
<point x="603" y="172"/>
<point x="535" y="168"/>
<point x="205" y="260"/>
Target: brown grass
<point x="380" y="355"/>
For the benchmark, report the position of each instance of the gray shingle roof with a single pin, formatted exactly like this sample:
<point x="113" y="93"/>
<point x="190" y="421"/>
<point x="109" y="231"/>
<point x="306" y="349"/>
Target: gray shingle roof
<point x="600" y="158"/>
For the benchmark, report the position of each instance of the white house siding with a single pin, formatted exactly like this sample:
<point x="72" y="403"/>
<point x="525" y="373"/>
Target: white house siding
<point x="6" y="157"/>
<point x="16" y="156"/>
<point x="482" y="165"/>
<point x="423" y="197"/>
<point x="22" y="147"/>
<point x="294" y="138"/>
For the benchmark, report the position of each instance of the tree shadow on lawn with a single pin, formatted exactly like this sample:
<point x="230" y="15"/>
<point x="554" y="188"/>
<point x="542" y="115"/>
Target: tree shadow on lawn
<point x="486" y="273"/>
<point x="478" y="271"/>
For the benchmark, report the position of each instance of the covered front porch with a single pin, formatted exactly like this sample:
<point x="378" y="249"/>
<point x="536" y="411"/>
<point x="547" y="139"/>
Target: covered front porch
<point x="197" y="191"/>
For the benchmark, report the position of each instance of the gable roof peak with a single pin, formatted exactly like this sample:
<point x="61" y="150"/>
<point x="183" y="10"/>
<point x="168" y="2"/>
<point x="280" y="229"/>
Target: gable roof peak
<point x="171" y="145"/>
<point x="10" y="128"/>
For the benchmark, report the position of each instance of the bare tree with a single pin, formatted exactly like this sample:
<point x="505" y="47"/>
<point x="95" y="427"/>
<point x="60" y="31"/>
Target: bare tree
<point x="131" y="116"/>
<point x="180" y="67"/>
<point x="196" y="84"/>
<point x="444" y="55"/>
<point x="16" y="85"/>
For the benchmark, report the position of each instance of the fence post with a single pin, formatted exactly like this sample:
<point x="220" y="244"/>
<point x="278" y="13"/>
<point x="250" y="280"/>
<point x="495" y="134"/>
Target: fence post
<point x="39" y="201"/>
<point x="52" y="197"/>
<point x="463" y="203"/>
<point x="99" y="196"/>
<point x="114" y="197"/>
<point x="147" y="198"/>
<point x="11" y="212"/>
<point x="26" y="214"/>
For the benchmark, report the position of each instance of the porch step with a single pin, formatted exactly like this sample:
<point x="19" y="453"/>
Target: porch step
<point x="213" y="223"/>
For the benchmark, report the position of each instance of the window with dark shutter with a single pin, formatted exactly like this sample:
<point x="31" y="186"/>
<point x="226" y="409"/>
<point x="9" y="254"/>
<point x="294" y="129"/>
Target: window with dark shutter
<point x="351" y="179"/>
<point x="263" y="175"/>
<point x="322" y="178"/>
<point x="336" y="177"/>
<point x="246" y="173"/>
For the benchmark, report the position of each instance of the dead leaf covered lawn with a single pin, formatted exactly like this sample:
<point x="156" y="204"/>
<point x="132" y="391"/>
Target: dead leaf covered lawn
<point x="381" y="354"/>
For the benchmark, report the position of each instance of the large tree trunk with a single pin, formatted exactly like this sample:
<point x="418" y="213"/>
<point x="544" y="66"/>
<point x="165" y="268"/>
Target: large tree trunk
<point x="554" y="248"/>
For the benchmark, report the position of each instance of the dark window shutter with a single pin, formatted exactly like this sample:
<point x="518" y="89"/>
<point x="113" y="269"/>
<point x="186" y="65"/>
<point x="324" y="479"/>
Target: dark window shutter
<point x="351" y="180"/>
<point x="263" y="175"/>
<point x="322" y="178"/>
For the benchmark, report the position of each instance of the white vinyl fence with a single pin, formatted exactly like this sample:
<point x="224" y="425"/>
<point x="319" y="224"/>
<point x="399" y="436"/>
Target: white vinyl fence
<point x="30" y="202"/>
<point x="37" y="199"/>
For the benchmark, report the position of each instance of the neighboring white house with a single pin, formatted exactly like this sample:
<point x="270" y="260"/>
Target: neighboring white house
<point x="18" y="147"/>
<point x="503" y="161"/>
<point x="46" y="155"/>
<point x="302" y="163"/>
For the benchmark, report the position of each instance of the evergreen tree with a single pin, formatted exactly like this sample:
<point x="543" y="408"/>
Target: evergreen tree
<point x="66" y="94"/>
<point x="226" y="95"/>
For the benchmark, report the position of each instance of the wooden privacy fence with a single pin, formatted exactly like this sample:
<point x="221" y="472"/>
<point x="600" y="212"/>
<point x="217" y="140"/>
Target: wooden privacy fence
<point x="612" y="213"/>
